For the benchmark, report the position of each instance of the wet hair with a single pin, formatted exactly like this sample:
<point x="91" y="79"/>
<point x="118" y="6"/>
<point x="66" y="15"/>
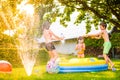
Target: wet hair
<point x="46" y="25"/>
<point x="80" y="38"/>
<point x="103" y="24"/>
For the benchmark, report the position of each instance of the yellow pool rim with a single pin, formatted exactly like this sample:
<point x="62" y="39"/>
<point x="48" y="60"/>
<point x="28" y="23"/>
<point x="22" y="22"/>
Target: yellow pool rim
<point x="82" y="62"/>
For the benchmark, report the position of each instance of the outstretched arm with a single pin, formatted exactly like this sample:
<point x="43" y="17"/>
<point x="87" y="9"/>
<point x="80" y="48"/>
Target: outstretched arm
<point x="97" y="36"/>
<point x="55" y="37"/>
<point x="92" y="35"/>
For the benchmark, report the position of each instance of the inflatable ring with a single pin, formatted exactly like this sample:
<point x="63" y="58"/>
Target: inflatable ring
<point x="5" y="66"/>
<point x="82" y="65"/>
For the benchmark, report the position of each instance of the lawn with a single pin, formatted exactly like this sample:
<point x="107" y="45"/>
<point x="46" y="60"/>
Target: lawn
<point x="39" y="73"/>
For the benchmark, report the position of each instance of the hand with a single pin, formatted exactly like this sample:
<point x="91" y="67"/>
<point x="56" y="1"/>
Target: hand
<point x="62" y="38"/>
<point x="85" y="35"/>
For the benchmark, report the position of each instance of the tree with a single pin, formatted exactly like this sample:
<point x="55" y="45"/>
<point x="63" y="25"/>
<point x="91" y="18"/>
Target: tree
<point x="91" y="11"/>
<point x="16" y="15"/>
<point x="10" y="16"/>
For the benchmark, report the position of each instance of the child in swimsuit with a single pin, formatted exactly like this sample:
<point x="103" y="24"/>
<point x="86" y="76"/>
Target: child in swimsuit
<point x="52" y="64"/>
<point x="107" y="44"/>
<point x="80" y="47"/>
<point x="49" y="37"/>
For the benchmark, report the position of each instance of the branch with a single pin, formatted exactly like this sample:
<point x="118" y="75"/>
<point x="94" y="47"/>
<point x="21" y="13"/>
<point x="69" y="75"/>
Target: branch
<point x="115" y="23"/>
<point x="86" y="7"/>
<point x="113" y="11"/>
<point x="98" y="14"/>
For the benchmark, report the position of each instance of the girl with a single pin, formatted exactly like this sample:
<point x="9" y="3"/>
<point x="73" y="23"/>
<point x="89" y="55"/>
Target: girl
<point x="80" y="47"/>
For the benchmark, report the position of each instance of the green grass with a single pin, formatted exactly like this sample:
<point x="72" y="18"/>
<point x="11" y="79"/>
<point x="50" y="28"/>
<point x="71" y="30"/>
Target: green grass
<point x="39" y="73"/>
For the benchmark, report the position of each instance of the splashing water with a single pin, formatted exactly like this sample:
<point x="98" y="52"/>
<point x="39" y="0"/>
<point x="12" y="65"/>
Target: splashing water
<point x="28" y="52"/>
<point x="28" y="47"/>
<point x="23" y="21"/>
<point x="62" y="41"/>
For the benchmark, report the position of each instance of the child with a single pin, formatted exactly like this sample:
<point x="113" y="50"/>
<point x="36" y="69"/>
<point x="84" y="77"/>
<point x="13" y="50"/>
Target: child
<point x="106" y="45"/>
<point x="49" y="36"/>
<point x="80" y="47"/>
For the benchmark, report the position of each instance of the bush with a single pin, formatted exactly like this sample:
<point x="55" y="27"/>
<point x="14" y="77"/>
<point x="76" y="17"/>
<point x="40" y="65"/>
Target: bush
<point x="42" y="57"/>
<point x="8" y="50"/>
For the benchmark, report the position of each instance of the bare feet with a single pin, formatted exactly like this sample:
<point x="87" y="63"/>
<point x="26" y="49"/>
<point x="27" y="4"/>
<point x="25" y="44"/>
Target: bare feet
<point x="112" y="68"/>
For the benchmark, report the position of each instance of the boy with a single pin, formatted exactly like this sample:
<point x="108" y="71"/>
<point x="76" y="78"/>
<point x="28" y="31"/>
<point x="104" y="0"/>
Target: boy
<point x="49" y="36"/>
<point x="107" y="43"/>
<point x="80" y="47"/>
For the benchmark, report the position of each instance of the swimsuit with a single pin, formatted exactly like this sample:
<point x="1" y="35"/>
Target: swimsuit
<point x="81" y="50"/>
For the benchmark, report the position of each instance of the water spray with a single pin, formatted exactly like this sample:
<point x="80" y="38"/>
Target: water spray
<point x="62" y="41"/>
<point x="28" y="47"/>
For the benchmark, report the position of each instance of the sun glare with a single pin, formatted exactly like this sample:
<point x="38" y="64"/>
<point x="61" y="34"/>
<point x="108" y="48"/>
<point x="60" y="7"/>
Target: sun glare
<point x="9" y="32"/>
<point x="27" y="8"/>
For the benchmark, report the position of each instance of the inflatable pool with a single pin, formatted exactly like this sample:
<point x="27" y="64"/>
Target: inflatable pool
<point x="5" y="66"/>
<point x="82" y="65"/>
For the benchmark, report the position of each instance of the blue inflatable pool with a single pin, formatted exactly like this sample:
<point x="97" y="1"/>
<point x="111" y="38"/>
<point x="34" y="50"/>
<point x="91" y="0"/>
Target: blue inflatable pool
<point x="83" y="68"/>
<point x="82" y="65"/>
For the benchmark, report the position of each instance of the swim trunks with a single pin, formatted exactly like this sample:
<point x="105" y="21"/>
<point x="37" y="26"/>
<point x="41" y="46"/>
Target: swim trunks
<point x="107" y="46"/>
<point x="50" y="46"/>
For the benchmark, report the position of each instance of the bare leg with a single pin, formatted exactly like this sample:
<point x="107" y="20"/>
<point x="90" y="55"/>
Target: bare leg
<point x="82" y="55"/>
<point x="51" y="55"/>
<point x="78" y="56"/>
<point x="107" y="59"/>
<point x="55" y="55"/>
<point x="104" y="55"/>
<point x="111" y="63"/>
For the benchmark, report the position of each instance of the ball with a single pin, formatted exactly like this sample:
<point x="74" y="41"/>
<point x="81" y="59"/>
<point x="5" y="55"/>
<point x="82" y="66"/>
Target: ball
<point x="52" y="67"/>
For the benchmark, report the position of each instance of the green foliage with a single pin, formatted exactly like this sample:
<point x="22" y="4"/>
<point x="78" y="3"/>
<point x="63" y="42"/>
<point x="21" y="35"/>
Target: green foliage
<point x="66" y="16"/>
<point x="8" y="50"/>
<point x="93" y="42"/>
<point x="39" y="73"/>
<point x="115" y="39"/>
<point x="80" y="17"/>
<point x="42" y="57"/>
<point x="12" y="19"/>
<point x="92" y="11"/>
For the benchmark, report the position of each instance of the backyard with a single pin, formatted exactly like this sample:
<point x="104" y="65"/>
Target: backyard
<point x="39" y="73"/>
<point x="22" y="43"/>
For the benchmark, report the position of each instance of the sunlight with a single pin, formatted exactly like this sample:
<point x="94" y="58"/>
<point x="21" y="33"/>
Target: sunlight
<point x="28" y="47"/>
<point x="9" y="32"/>
<point x="27" y="8"/>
